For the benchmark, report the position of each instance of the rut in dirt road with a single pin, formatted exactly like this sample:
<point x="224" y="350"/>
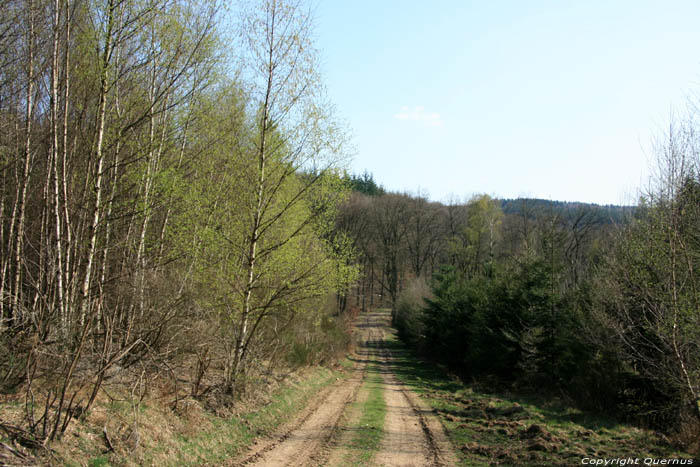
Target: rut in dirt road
<point x="321" y="435"/>
<point x="412" y="436"/>
<point x="305" y="441"/>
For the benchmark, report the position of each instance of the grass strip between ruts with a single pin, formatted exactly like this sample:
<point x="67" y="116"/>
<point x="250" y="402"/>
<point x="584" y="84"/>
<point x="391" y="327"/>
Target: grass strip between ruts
<point x="369" y="431"/>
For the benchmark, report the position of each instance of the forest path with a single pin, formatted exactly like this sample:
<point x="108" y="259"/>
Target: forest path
<point x="321" y="434"/>
<point x="412" y="435"/>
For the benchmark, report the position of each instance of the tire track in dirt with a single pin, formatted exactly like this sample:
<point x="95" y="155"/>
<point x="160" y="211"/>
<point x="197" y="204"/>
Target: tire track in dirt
<point x="339" y="451"/>
<point x="413" y="437"/>
<point x="308" y="440"/>
<point x="436" y="449"/>
<point x="320" y="435"/>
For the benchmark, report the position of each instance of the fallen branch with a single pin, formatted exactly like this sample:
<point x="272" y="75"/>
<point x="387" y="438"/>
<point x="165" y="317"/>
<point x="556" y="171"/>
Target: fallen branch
<point x="108" y="442"/>
<point x="23" y="437"/>
<point x="16" y="455"/>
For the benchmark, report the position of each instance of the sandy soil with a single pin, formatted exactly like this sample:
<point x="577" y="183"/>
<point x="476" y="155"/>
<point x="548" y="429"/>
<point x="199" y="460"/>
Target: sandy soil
<point x="413" y="437"/>
<point x="317" y="437"/>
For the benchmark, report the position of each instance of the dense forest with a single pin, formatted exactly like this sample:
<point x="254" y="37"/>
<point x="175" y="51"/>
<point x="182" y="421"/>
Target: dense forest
<point x="599" y="303"/>
<point x="168" y="201"/>
<point x="176" y="207"/>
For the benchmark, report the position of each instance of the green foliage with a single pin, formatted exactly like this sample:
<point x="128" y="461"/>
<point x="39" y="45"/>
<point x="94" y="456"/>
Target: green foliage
<point x="505" y="318"/>
<point x="648" y="298"/>
<point x="566" y="433"/>
<point x="512" y="326"/>
<point x="474" y="248"/>
<point x="408" y="314"/>
<point x="539" y="322"/>
<point x="548" y="296"/>
<point x="180" y="209"/>
<point x="300" y="259"/>
<point x="100" y="461"/>
<point x="364" y="184"/>
<point x="452" y="320"/>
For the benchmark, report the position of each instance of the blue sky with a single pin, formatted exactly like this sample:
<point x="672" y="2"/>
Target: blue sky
<point x="549" y="99"/>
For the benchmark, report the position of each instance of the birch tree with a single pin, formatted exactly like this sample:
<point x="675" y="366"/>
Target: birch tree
<point x="650" y="296"/>
<point x="295" y="144"/>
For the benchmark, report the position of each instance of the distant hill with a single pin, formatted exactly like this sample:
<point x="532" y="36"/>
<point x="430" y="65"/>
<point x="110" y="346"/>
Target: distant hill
<point x="532" y="207"/>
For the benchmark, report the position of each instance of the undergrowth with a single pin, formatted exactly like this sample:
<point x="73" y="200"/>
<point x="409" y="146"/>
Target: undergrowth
<point x="153" y="434"/>
<point x="503" y="428"/>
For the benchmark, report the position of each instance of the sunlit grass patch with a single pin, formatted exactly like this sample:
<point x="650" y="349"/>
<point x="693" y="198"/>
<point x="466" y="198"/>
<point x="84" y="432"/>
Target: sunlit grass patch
<point x="369" y="431"/>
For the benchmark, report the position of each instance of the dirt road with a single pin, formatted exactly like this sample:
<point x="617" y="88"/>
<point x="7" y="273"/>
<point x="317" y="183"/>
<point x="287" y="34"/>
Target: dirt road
<point x="412" y="436"/>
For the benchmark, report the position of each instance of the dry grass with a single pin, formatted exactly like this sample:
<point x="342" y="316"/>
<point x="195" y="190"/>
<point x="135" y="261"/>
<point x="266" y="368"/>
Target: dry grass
<point x="143" y="426"/>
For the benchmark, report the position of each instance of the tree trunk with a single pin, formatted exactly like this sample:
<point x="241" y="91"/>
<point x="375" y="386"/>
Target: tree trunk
<point x="99" y="157"/>
<point x="22" y="189"/>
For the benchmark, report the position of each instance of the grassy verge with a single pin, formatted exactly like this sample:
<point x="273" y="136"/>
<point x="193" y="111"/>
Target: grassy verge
<point x="369" y="430"/>
<point x="488" y="428"/>
<point x="155" y="435"/>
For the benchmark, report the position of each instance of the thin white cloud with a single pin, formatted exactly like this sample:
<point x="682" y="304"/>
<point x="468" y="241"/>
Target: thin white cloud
<point x="419" y="115"/>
